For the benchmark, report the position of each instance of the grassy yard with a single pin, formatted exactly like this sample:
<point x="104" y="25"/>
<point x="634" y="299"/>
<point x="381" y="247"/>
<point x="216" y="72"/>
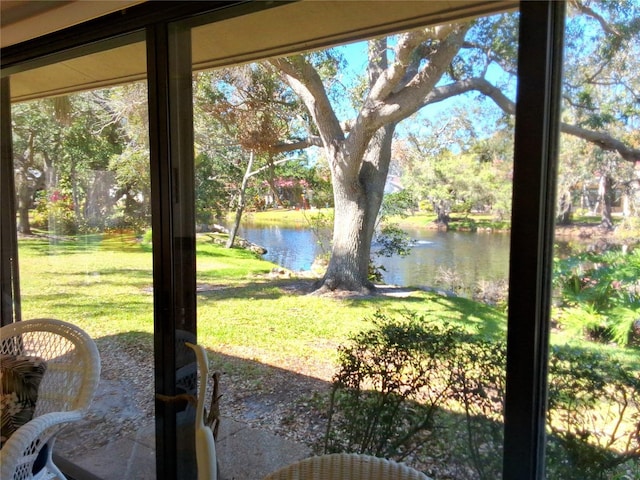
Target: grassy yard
<point x="104" y="284"/>
<point x="249" y="319"/>
<point x="101" y="283"/>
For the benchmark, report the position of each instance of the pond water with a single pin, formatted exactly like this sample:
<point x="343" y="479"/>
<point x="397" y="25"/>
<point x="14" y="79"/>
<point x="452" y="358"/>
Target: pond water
<point x="472" y="256"/>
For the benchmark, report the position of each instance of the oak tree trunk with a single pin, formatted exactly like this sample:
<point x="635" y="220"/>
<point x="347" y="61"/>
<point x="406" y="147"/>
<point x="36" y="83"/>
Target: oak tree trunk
<point x="24" y="201"/>
<point x="357" y="203"/>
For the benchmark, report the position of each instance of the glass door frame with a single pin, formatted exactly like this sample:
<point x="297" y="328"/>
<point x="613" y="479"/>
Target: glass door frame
<point x="537" y="130"/>
<point x="10" y="310"/>
<point x="173" y="219"/>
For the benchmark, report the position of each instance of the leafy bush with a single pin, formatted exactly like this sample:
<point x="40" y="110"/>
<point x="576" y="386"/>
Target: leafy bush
<point x="492" y="292"/>
<point x="628" y="230"/>
<point x="321" y="224"/>
<point x="55" y="212"/>
<point x="593" y="415"/>
<point x="400" y="204"/>
<point x="450" y="279"/>
<point x="390" y="240"/>
<point x="414" y="386"/>
<point x="425" y="206"/>
<point x="478" y="391"/>
<point x="390" y="383"/>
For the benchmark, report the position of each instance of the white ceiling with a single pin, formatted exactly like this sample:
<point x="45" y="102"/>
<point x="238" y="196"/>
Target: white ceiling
<point x="22" y="20"/>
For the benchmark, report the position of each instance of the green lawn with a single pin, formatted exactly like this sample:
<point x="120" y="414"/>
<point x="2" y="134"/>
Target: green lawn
<point x="104" y="285"/>
<point x="101" y="284"/>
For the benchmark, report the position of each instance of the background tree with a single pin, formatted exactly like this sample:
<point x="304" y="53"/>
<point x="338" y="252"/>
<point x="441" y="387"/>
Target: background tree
<point x="84" y="159"/>
<point x="60" y="143"/>
<point x="359" y="153"/>
<point x="90" y="138"/>
<point x="449" y="169"/>
<point x="320" y="182"/>
<point x="255" y="112"/>
<point x="496" y="154"/>
<point x="35" y="141"/>
<point x="592" y="178"/>
<point x="126" y="111"/>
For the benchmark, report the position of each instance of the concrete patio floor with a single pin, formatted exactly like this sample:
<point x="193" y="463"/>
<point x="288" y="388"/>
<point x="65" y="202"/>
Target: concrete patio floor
<point x="116" y="440"/>
<point x="243" y="452"/>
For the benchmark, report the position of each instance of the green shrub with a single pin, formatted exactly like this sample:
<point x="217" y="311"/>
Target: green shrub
<point x="425" y="206"/>
<point x="492" y="292"/>
<point x="55" y="212"/>
<point x="600" y="294"/>
<point x="390" y="382"/>
<point x="628" y="230"/>
<point x="593" y="416"/>
<point x="321" y="224"/>
<point x="417" y="386"/>
<point x="478" y="391"/>
<point x="391" y="240"/>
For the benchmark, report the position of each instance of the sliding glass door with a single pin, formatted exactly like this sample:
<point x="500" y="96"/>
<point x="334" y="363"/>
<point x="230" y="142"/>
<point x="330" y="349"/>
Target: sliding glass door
<point x="138" y="159"/>
<point x="83" y="204"/>
<point x="308" y="360"/>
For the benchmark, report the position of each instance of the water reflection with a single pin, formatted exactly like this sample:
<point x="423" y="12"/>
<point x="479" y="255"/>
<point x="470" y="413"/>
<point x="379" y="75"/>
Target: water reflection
<point x="292" y="248"/>
<point x="472" y="256"/>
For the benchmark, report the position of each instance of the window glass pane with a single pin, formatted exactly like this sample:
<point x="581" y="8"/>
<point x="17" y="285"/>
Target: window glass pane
<point x="594" y="397"/>
<point x="292" y="160"/>
<point x="82" y="185"/>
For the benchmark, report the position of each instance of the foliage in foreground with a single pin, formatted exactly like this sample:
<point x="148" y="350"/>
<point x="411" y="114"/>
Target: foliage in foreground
<point x="600" y="295"/>
<point x="409" y="386"/>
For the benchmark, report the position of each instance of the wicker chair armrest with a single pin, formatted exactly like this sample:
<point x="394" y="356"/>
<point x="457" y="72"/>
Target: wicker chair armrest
<point x="346" y="466"/>
<point x="25" y="443"/>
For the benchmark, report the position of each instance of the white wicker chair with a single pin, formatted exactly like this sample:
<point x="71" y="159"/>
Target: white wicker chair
<point x="64" y="394"/>
<point x="346" y="466"/>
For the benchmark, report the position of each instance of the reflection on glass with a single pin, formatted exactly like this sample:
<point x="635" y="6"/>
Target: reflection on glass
<point x="82" y="175"/>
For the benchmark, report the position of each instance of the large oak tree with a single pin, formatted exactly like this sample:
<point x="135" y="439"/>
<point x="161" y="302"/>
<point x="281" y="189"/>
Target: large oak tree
<point x="425" y="66"/>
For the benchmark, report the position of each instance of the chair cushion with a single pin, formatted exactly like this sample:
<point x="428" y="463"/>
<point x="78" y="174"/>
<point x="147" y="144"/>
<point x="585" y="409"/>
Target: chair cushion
<point x="20" y="378"/>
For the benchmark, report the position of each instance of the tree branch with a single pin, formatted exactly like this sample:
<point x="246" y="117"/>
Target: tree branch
<point x="588" y="11"/>
<point x="310" y="141"/>
<point x="407" y="100"/>
<point x="491" y="56"/>
<point x="307" y="84"/>
<point x="267" y="166"/>
<point x="389" y="78"/>
<point x="601" y="139"/>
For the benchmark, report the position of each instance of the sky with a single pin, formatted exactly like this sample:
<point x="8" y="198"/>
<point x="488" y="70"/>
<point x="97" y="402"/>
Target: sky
<point x="355" y="55"/>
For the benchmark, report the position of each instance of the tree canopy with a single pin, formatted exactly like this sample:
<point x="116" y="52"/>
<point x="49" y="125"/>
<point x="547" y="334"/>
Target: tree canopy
<point x="425" y="66"/>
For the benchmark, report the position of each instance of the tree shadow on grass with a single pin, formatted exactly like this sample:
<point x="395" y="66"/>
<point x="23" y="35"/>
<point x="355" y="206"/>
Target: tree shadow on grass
<point x="265" y="288"/>
<point x="477" y="317"/>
